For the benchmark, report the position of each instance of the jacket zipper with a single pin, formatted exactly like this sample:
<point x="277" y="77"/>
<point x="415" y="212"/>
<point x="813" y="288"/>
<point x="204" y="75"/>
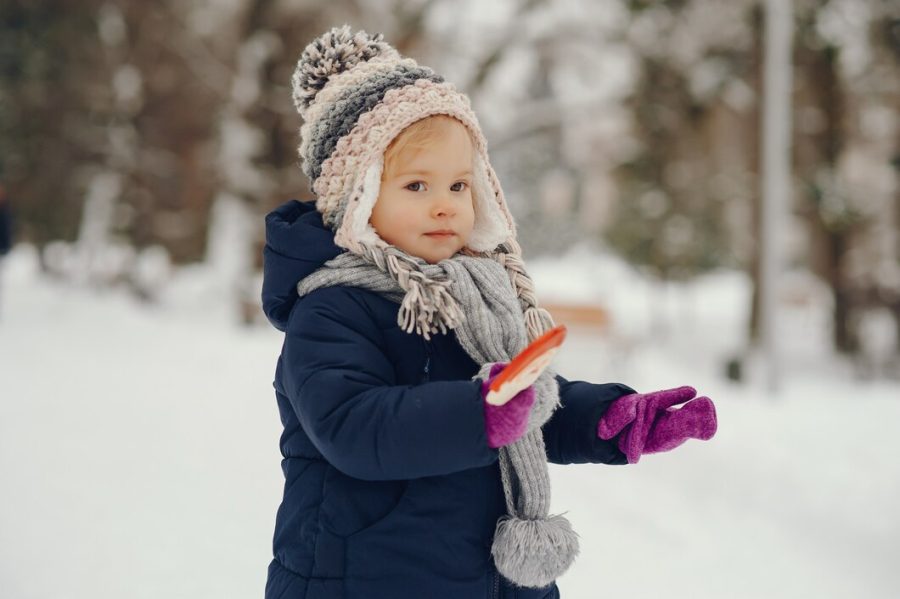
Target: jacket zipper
<point x="426" y="376"/>
<point x="496" y="592"/>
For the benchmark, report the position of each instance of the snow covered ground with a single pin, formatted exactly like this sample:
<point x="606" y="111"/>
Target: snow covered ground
<point x="139" y="449"/>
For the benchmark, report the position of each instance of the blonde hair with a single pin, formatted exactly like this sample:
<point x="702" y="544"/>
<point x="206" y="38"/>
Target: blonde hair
<point x="418" y="136"/>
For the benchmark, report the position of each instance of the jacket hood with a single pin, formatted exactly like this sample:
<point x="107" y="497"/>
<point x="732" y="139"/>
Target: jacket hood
<point x="297" y="243"/>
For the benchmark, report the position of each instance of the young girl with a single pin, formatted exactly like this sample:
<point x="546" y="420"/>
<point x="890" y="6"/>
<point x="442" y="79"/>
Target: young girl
<point x="402" y="294"/>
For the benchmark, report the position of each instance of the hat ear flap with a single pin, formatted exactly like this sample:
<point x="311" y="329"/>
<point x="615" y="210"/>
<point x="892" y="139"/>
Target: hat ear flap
<point x="354" y="227"/>
<point x="491" y="225"/>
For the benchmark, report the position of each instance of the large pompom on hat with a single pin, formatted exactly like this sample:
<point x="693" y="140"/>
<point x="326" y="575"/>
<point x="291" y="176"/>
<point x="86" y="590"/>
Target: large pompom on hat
<point x="355" y="94"/>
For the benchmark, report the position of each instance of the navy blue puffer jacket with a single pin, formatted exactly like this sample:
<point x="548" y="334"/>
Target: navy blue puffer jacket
<point x="391" y="490"/>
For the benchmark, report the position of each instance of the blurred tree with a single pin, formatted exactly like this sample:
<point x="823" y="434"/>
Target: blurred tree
<point x="699" y="65"/>
<point x="666" y="221"/>
<point x="845" y="140"/>
<point x="675" y="191"/>
<point x="544" y="218"/>
<point x="49" y="64"/>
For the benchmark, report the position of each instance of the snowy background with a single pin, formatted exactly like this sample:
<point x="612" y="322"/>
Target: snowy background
<point x="139" y="447"/>
<point x="138" y="427"/>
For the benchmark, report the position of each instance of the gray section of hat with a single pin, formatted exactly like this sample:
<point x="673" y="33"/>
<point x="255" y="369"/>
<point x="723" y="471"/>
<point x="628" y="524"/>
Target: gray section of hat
<point x="342" y="115"/>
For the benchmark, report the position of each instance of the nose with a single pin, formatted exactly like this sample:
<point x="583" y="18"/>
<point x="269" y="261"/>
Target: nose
<point x="443" y="206"/>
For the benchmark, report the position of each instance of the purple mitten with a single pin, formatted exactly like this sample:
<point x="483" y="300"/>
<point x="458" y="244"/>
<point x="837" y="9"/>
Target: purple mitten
<point x="647" y="422"/>
<point x="505" y="424"/>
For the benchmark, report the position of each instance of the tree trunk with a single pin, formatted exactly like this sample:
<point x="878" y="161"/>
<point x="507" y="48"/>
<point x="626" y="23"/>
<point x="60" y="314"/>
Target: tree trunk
<point x="755" y="268"/>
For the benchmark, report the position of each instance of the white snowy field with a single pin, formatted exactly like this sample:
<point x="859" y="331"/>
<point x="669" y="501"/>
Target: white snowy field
<point x="139" y="449"/>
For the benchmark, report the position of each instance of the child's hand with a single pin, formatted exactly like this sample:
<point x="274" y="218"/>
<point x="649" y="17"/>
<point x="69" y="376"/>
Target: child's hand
<point x="647" y="422"/>
<point x="505" y="423"/>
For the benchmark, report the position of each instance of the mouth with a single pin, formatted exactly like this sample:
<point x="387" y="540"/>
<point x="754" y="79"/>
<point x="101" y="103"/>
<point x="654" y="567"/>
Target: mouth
<point x="441" y="233"/>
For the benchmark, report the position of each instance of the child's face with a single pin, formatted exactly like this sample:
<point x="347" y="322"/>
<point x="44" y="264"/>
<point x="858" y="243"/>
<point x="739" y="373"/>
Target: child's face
<point x="427" y="190"/>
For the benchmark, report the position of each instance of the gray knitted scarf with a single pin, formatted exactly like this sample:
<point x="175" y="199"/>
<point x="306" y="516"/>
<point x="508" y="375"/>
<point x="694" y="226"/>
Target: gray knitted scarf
<point x="474" y="296"/>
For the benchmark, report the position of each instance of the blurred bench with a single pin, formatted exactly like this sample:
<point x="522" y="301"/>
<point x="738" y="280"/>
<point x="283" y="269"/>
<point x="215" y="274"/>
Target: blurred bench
<point x="577" y="315"/>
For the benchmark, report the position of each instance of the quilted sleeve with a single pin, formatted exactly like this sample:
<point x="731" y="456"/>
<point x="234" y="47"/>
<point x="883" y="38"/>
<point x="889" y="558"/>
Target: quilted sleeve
<point x="342" y="387"/>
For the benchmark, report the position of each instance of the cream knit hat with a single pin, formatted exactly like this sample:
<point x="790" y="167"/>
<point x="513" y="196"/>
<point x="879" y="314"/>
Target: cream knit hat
<point x="355" y="94"/>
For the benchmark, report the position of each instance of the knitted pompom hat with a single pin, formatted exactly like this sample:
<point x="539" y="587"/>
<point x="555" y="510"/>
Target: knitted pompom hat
<point x="355" y="94"/>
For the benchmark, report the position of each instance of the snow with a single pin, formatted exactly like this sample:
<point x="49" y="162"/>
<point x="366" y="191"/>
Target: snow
<point x="139" y="447"/>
